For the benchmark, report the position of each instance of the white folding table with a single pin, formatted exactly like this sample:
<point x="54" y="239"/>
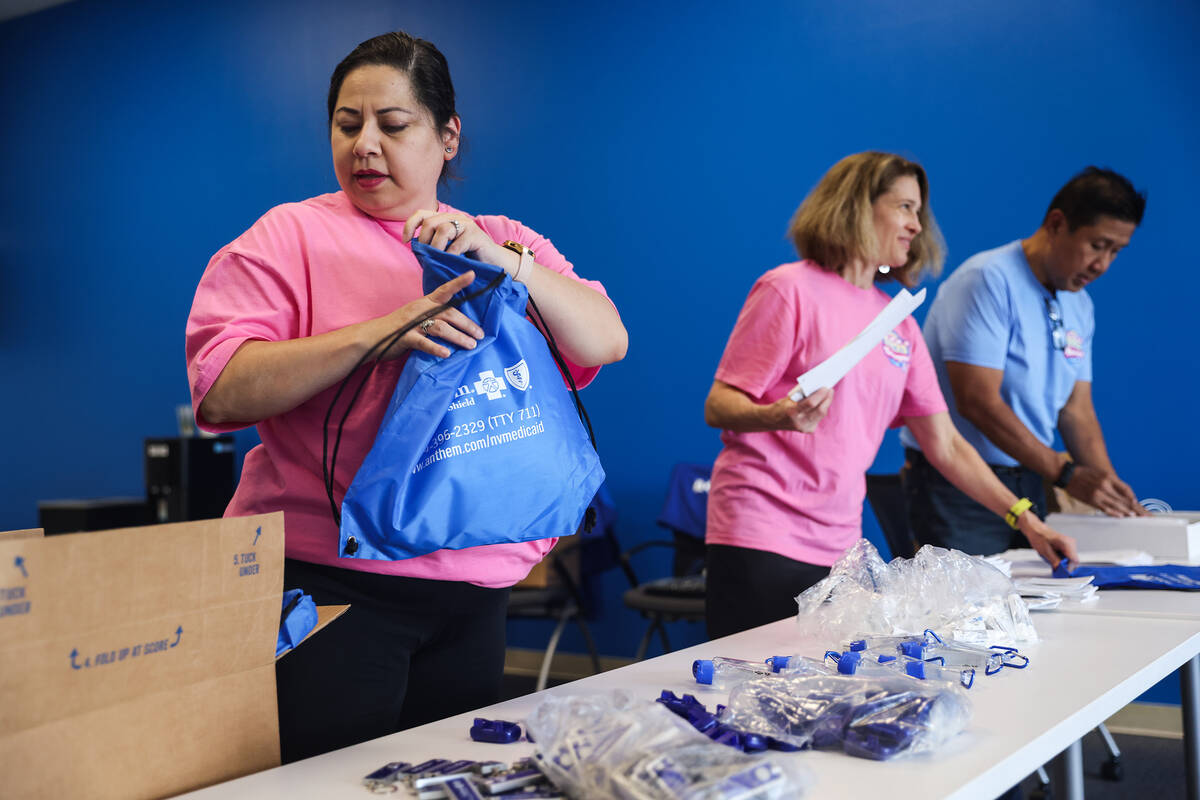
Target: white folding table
<point x="1022" y="718"/>
<point x="1161" y="604"/>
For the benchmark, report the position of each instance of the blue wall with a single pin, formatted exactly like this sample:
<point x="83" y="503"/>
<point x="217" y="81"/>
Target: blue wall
<point x="662" y="146"/>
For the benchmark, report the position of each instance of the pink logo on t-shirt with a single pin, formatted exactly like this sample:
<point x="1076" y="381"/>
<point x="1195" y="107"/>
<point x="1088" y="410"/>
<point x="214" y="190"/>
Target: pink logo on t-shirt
<point x="897" y="349"/>
<point x="1074" y="348"/>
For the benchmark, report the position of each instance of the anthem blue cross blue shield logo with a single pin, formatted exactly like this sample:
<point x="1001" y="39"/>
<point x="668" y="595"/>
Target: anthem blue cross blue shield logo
<point x="489" y="384"/>
<point x="518" y="375"/>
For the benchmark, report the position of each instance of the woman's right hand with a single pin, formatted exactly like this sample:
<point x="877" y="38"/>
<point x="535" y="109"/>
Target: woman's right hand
<point x="804" y="415"/>
<point x="450" y="325"/>
<point x="264" y="379"/>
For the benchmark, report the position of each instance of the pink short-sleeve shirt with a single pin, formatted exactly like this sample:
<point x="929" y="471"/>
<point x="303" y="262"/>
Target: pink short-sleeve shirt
<point x="800" y="495"/>
<point x="308" y="268"/>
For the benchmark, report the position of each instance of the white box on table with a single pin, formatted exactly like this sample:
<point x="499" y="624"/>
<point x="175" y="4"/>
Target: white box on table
<point x="1166" y="537"/>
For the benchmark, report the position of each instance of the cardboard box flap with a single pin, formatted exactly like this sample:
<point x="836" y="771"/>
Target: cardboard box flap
<point x="28" y="533"/>
<point x="138" y="644"/>
<point x="325" y="615"/>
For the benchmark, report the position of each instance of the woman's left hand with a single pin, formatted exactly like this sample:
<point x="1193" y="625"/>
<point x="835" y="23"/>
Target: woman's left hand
<point x="586" y="325"/>
<point x="1051" y="545"/>
<point x="457" y="234"/>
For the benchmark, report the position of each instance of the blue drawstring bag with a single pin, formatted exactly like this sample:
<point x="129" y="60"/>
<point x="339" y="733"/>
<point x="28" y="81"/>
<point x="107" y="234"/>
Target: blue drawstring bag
<point x="298" y="618"/>
<point x="483" y="447"/>
<point x="1155" y="576"/>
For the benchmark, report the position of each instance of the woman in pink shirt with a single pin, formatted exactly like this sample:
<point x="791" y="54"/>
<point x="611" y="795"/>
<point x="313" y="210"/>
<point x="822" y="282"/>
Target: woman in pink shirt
<point x="788" y="486"/>
<point x="280" y="318"/>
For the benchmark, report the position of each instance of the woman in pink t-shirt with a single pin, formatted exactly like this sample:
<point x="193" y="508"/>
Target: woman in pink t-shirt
<point x="281" y="317"/>
<point x="788" y="486"/>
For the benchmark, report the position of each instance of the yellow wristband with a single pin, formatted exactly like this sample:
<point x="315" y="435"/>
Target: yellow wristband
<point x="1018" y="508"/>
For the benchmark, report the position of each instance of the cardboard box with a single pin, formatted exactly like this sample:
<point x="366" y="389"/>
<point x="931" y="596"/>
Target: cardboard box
<point x="139" y="663"/>
<point x="28" y="533"/>
<point x="1166" y="537"/>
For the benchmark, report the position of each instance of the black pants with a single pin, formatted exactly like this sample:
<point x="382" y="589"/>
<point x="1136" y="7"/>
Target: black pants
<point x="940" y="514"/>
<point x="409" y="651"/>
<point x="746" y="588"/>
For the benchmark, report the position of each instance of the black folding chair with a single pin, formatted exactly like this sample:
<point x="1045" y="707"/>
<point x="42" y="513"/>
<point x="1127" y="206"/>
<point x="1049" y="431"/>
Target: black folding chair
<point x="681" y="595"/>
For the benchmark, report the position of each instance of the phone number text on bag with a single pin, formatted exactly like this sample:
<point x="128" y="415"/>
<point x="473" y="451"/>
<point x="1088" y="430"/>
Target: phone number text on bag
<point x="476" y="426"/>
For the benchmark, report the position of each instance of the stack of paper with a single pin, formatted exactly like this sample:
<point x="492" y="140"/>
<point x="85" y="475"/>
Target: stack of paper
<point x="1043" y="594"/>
<point x="1033" y="577"/>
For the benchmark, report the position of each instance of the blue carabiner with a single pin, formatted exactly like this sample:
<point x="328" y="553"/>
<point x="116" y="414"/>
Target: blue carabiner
<point x="1014" y="654"/>
<point x="930" y="632"/>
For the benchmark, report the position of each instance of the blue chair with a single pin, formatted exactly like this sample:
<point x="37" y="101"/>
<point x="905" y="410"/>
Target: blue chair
<point x="680" y="596"/>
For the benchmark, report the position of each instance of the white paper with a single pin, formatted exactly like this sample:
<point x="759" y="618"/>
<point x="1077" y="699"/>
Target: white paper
<point x="1048" y="593"/>
<point x="834" y="368"/>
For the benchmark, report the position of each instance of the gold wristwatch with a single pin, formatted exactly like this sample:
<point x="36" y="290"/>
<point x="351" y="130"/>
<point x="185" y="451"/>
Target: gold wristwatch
<point x="527" y="256"/>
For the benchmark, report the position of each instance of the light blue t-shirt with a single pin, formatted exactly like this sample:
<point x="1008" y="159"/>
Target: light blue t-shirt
<point x="992" y="312"/>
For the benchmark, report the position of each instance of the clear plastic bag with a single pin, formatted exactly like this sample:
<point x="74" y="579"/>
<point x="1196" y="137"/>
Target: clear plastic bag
<point x="960" y="596"/>
<point x="610" y="745"/>
<point x="876" y="717"/>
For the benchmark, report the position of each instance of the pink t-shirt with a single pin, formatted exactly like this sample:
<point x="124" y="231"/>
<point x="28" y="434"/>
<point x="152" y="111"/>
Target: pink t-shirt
<point x="308" y="268"/>
<point x="796" y="494"/>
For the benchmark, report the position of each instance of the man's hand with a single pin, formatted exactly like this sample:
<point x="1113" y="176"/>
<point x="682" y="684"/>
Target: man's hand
<point x="1105" y="491"/>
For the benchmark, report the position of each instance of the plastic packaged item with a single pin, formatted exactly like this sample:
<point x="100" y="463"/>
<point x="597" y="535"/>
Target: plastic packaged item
<point x="874" y="662"/>
<point x="886" y="642"/>
<point x="989" y="661"/>
<point x="797" y="665"/>
<point x="695" y="712"/>
<point x="611" y="745"/>
<point x="878" y="717"/>
<point x="962" y="597"/>
<point x="929" y="671"/>
<point x="722" y="673"/>
<point x="858" y="662"/>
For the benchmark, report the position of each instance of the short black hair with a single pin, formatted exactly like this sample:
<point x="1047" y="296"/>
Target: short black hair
<point x="419" y="59"/>
<point x="1098" y="192"/>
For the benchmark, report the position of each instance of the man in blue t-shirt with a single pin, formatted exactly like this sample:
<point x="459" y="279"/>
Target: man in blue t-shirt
<point x="1010" y="333"/>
